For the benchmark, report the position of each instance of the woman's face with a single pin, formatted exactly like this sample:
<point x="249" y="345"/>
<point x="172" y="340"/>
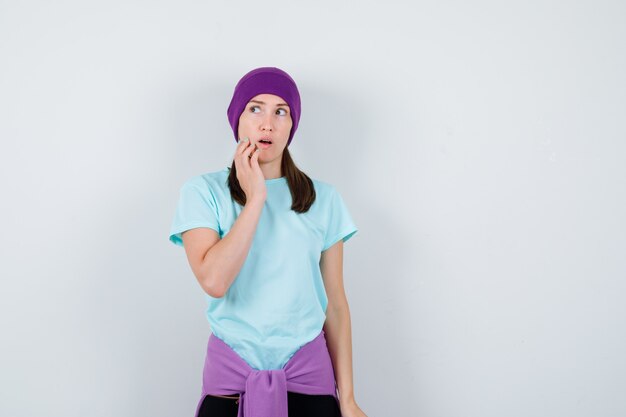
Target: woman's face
<point x="266" y="116"/>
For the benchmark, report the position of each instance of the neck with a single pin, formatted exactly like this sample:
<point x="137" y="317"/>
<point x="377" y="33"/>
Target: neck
<point x="271" y="170"/>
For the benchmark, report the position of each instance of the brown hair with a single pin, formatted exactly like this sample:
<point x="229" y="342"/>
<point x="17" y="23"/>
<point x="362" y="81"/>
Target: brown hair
<point x="300" y="185"/>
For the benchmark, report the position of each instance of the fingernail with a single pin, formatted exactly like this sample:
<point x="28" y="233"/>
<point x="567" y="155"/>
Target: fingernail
<point x="245" y="139"/>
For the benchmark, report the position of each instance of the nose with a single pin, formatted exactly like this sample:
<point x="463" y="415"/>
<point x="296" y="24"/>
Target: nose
<point x="266" y="123"/>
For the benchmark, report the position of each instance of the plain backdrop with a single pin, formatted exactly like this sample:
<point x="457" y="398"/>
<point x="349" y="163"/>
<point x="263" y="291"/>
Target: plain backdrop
<point x="479" y="145"/>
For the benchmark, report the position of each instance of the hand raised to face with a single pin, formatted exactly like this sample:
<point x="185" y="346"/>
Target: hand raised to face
<point x="249" y="174"/>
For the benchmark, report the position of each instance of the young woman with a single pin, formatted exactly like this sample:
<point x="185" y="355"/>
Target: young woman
<point x="265" y="242"/>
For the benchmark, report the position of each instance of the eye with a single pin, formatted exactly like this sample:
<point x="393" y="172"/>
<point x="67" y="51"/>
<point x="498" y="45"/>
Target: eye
<point x="254" y="107"/>
<point x="285" y="112"/>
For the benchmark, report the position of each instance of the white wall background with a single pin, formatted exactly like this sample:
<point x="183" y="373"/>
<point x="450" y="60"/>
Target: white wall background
<point x="480" y="147"/>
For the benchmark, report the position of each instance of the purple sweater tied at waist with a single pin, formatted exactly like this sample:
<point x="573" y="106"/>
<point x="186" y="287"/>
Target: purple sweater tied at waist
<point x="263" y="393"/>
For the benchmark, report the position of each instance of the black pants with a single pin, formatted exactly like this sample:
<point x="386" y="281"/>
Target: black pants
<point x="300" y="405"/>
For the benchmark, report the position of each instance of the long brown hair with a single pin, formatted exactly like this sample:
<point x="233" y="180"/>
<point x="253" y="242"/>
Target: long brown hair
<point x="300" y="185"/>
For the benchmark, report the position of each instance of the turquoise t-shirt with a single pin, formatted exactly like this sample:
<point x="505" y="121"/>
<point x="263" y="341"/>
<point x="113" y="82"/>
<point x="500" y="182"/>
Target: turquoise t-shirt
<point x="277" y="303"/>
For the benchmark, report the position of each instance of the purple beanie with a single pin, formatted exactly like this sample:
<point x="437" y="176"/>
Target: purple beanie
<point x="264" y="80"/>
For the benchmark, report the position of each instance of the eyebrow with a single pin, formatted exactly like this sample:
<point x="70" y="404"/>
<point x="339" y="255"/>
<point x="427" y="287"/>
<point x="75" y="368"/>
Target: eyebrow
<point x="261" y="102"/>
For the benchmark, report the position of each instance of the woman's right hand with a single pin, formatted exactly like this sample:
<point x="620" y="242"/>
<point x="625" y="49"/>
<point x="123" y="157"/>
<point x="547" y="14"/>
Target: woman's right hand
<point x="249" y="174"/>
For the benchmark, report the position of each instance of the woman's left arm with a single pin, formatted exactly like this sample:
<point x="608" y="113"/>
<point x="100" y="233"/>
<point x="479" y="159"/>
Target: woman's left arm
<point x="338" y="328"/>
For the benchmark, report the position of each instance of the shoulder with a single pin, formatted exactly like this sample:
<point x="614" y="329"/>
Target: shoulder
<point x="323" y="188"/>
<point x="326" y="195"/>
<point x="213" y="180"/>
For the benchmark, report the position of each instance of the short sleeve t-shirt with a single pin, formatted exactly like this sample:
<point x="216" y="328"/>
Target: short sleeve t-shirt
<point x="277" y="303"/>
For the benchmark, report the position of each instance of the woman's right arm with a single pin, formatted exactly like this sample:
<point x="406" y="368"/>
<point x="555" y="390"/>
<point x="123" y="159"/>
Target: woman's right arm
<point x="215" y="262"/>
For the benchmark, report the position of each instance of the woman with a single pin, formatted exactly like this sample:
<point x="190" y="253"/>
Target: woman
<point x="265" y="242"/>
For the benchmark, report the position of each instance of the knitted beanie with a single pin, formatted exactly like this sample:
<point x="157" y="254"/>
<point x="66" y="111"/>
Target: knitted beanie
<point x="264" y="80"/>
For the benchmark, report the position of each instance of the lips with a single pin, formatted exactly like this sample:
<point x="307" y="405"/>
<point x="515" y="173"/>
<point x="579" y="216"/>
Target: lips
<point x="265" y="139"/>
